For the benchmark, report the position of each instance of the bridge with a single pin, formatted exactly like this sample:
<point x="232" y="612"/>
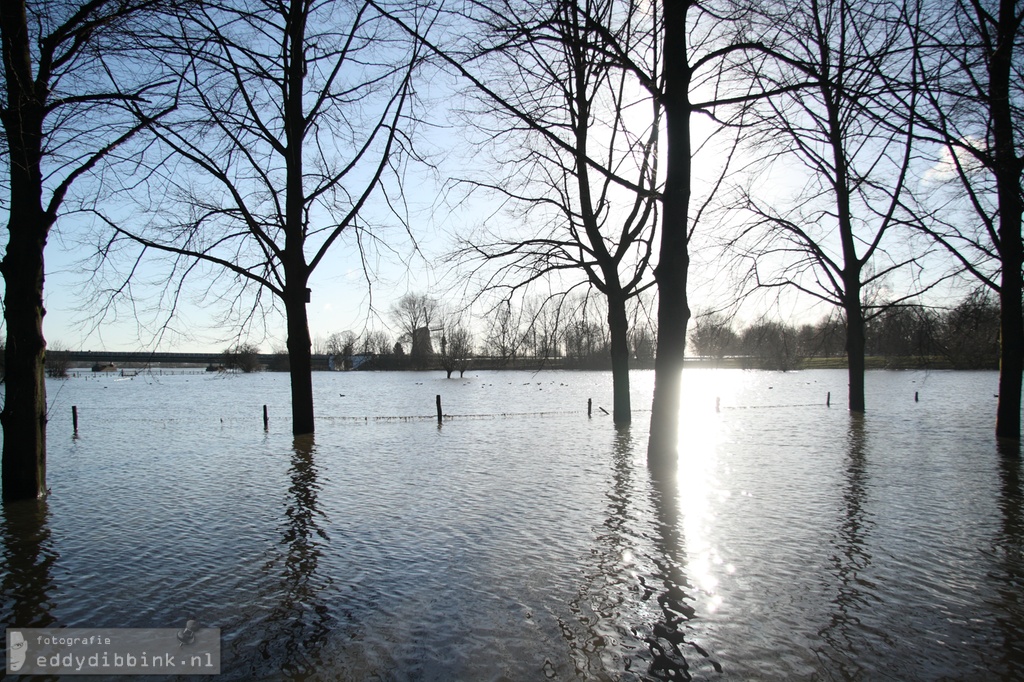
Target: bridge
<point x="119" y="358"/>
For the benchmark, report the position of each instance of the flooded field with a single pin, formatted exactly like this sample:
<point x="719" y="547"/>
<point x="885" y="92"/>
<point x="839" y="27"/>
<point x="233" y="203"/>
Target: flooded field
<point x="523" y="540"/>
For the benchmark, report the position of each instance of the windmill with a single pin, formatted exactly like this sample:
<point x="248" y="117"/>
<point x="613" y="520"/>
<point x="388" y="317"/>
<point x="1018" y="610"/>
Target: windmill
<point x="422" y="343"/>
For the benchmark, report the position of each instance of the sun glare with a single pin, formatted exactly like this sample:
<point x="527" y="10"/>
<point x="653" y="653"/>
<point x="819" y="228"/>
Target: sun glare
<point x="706" y="394"/>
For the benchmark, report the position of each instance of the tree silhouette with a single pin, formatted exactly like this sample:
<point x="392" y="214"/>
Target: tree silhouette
<point x="564" y="106"/>
<point x="292" y="113"/>
<point x="72" y="94"/>
<point x="972" y="54"/>
<point x="830" y="239"/>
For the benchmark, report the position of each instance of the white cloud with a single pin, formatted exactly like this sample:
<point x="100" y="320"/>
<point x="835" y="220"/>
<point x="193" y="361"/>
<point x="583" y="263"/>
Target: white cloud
<point x="952" y="160"/>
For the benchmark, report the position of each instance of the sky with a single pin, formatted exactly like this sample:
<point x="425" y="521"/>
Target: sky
<point x="342" y="297"/>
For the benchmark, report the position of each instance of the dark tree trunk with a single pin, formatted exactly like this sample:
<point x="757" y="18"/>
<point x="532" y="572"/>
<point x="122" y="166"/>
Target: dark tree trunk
<point x="24" y="412"/>
<point x="300" y="363"/>
<point x="674" y="258"/>
<point x="853" y="265"/>
<point x="618" y="326"/>
<point x="1008" y="177"/>
<point x="296" y="295"/>
<point x="855" y="343"/>
<point x="1011" y="354"/>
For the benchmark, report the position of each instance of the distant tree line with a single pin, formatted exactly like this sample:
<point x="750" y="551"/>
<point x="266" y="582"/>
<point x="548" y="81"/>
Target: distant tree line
<point x="570" y="334"/>
<point x="963" y="337"/>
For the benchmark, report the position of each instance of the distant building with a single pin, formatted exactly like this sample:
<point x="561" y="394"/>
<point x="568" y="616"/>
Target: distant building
<point x="421" y="344"/>
<point x="359" y="359"/>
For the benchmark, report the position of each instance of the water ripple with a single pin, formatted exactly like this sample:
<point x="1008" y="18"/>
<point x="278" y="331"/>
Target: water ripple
<point x="790" y="543"/>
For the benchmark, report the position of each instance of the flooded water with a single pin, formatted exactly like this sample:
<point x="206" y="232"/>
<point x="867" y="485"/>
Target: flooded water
<point x="523" y="540"/>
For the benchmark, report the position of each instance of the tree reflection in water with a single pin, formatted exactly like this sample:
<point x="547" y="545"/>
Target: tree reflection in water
<point x="632" y="611"/>
<point x="1008" y="572"/>
<point x="605" y="599"/>
<point x="851" y="559"/>
<point x="298" y="626"/>
<point x="667" y="637"/>
<point x="28" y="561"/>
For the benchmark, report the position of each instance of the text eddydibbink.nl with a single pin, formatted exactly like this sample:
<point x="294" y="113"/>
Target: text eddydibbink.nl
<point x="191" y="650"/>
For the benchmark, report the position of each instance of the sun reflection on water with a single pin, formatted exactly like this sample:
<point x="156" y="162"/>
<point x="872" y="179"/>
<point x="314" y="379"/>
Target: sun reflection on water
<point x="701" y="435"/>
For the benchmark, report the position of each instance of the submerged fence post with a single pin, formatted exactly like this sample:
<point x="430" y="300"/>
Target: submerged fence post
<point x="915" y="396"/>
<point x="266" y="419"/>
<point x="590" y="407"/>
<point x="439" y="417"/>
<point x="828" y="399"/>
<point x="74" y="417"/>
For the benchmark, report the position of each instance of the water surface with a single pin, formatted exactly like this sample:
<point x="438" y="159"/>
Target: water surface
<point x="523" y="540"/>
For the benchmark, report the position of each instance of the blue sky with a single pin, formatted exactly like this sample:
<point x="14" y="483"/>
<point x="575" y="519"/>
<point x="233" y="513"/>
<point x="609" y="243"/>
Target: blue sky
<point x="341" y="295"/>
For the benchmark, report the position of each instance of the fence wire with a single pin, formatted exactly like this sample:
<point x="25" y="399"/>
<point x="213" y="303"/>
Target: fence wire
<point x="106" y="415"/>
<point x="433" y="417"/>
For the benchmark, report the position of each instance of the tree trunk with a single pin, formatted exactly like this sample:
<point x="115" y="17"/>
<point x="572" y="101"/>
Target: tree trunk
<point x="24" y="413"/>
<point x="1011" y="315"/>
<point x="1011" y="355"/>
<point x="1008" y="177"/>
<point x="852" y="264"/>
<point x="618" y="326"/>
<point x="855" y="343"/>
<point x="673" y="256"/>
<point x="300" y="362"/>
<point x="296" y="271"/>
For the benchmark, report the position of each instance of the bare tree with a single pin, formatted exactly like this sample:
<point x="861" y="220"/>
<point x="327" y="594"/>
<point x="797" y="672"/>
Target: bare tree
<point x="713" y="335"/>
<point x="58" y="361"/>
<point x="243" y="357"/>
<point x="685" y="47"/>
<point x="72" y="94"/>
<point x="972" y="54"/>
<point x="829" y="240"/>
<point x="970" y="332"/>
<point x="768" y="344"/>
<point x="690" y="67"/>
<point x="456" y="348"/>
<point x="541" y="319"/>
<point x="341" y="346"/>
<point x="292" y="115"/>
<point x="580" y="108"/>
<point x="376" y="342"/>
<point x="584" y="338"/>
<point x="900" y="331"/>
<point x="319" y="345"/>
<point x="826" y="338"/>
<point x="504" y="332"/>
